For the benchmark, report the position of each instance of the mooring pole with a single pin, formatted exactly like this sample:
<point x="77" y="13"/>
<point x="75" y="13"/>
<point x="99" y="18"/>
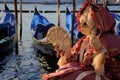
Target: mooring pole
<point x="4" y="4"/>
<point x="20" y="20"/>
<point x="58" y="12"/>
<point x="16" y="28"/>
<point x="95" y="1"/>
<point x="105" y="3"/>
<point x="73" y="17"/>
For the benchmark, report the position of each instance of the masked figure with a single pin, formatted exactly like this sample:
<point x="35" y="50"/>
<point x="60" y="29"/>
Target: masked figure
<point x="96" y="56"/>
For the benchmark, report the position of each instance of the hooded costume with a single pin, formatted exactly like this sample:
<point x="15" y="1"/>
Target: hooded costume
<point x="75" y="70"/>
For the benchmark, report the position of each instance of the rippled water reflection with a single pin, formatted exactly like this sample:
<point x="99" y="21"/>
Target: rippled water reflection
<point x="25" y="65"/>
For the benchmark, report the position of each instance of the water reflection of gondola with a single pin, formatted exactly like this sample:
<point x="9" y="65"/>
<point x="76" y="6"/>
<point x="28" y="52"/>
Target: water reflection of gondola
<point x="39" y="27"/>
<point x="7" y="32"/>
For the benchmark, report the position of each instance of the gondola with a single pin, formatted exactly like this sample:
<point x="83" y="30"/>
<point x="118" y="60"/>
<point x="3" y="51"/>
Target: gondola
<point x="39" y="27"/>
<point x="117" y="26"/>
<point x="117" y="19"/>
<point x="76" y="34"/>
<point x="7" y="32"/>
<point x="69" y="23"/>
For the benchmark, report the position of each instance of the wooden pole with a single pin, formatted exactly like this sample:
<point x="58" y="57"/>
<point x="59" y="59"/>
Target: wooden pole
<point x="20" y="20"/>
<point x="58" y="12"/>
<point x="73" y="16"/>
<point x="105" y="3"/>
<point x="95" y="1"/>
<point x="4" y="3"/>
<point x="16" y="29"/>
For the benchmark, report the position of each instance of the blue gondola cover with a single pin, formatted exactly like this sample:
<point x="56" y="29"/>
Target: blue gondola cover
<point x="40" y="25"/>
<point x="117" y="26"/>
<point x="7" y="20"/>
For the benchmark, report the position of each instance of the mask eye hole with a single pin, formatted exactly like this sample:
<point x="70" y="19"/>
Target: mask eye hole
<point x="85" y="24"/>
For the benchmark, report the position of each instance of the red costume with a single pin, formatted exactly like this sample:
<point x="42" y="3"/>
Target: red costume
<point x="83" y="70"/>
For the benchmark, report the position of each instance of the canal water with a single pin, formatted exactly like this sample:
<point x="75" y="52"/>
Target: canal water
<point x="26" y="65"/>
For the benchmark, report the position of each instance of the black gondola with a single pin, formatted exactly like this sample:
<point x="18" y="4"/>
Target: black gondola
<point x="39" y="28"/>
<point x="7" y="32"/>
